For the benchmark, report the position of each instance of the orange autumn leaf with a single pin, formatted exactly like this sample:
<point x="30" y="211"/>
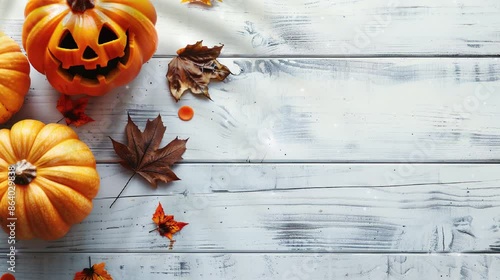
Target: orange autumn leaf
<point x="95" y="272"/>
<point x="167" y="226"/>
<point x="206" y="2"/>
<point x="73" y="110"/>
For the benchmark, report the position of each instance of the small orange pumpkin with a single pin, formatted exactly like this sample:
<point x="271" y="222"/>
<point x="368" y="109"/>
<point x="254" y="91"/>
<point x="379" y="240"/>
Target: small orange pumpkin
<point x="48" y="179"/>
<point x="89" y="46"/>
<point x="14" y="77"/>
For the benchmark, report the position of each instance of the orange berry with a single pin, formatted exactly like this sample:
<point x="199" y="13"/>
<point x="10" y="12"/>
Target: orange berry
<point x="186" y="113"/>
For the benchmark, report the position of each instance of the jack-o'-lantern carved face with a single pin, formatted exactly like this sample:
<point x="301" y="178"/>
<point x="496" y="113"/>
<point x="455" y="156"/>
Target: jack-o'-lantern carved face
<point x="93" y="45"/>
<point x="96" y="55"/>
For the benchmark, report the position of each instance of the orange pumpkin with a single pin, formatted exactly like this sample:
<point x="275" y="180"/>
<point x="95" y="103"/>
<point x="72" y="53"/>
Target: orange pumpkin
<point x="48" y="179"/>
<point x="14" y="77"/>
<point x="89" y="46"/>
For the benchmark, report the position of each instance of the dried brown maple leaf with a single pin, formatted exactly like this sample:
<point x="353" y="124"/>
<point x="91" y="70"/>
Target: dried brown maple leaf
<point x="193" y="69"/>
<point x="206" y="2"/>
<point x="93" y="272"/>
<point x="167" y="226"/>
<point x="73" y="110"/>
<point x="143" y="155"/>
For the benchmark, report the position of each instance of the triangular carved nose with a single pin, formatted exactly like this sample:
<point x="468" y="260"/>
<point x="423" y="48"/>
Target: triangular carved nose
<point x="89" y="53"/>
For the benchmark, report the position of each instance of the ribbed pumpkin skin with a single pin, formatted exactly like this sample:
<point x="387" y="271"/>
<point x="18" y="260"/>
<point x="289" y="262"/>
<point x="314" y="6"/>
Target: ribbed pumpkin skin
<point x="66" y="181"/>
<point x="48" y="21"/>
<point x="14" y="77"/>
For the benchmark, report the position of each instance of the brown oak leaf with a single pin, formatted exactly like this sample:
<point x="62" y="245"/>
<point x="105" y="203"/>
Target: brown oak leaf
<point x="94" y="272"/>
<point x="167" y="226"/>
<point x="143" y="155"/>
<point x="206" y="2"/>
<point x="193" y="69"/>
<point x="73" y="110"/>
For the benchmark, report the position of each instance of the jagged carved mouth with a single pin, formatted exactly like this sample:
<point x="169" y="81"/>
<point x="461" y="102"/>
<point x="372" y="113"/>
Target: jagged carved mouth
<point x="100" y="72"/>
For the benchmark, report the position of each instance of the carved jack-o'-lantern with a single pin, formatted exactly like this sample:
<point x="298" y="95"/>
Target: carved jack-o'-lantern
<point x="89" y="46"/>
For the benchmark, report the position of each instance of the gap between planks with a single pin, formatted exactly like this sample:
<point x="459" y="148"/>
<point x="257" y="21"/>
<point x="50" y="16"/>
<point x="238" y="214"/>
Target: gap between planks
<point x="274" y="252"/>
<point x="266" y="266"/>
<point x="320" y="162"/>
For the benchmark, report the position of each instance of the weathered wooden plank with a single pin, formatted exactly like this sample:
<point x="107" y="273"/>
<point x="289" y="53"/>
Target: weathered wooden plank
<point x="322" y="110"/>
<point x="321" y="28"/>
<point x="243" y="178"/>
<point x="441" y="215"/>
<point x="263" y="266"/>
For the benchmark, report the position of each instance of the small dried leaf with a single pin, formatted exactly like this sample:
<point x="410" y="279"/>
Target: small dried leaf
<point x="142" y="155"/>
<point x="193" y="69"/>
<point x="73" y="110"/>
<point x="95" y="272"/>
<point x="167" y="226"/>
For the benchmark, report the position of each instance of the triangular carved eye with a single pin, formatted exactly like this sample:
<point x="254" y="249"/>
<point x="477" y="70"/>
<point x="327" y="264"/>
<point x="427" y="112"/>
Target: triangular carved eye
<point x="106" y="35"/>
<point x="67" y="41"/>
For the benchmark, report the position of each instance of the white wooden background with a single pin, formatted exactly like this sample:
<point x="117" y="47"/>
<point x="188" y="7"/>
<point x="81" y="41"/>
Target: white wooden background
<point x="360" y="140"/>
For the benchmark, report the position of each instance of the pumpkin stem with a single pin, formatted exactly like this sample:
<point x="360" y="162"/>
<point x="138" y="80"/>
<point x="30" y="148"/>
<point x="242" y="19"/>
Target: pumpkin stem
<point x="80" y="6"/>
<point x="24" y="171"/>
